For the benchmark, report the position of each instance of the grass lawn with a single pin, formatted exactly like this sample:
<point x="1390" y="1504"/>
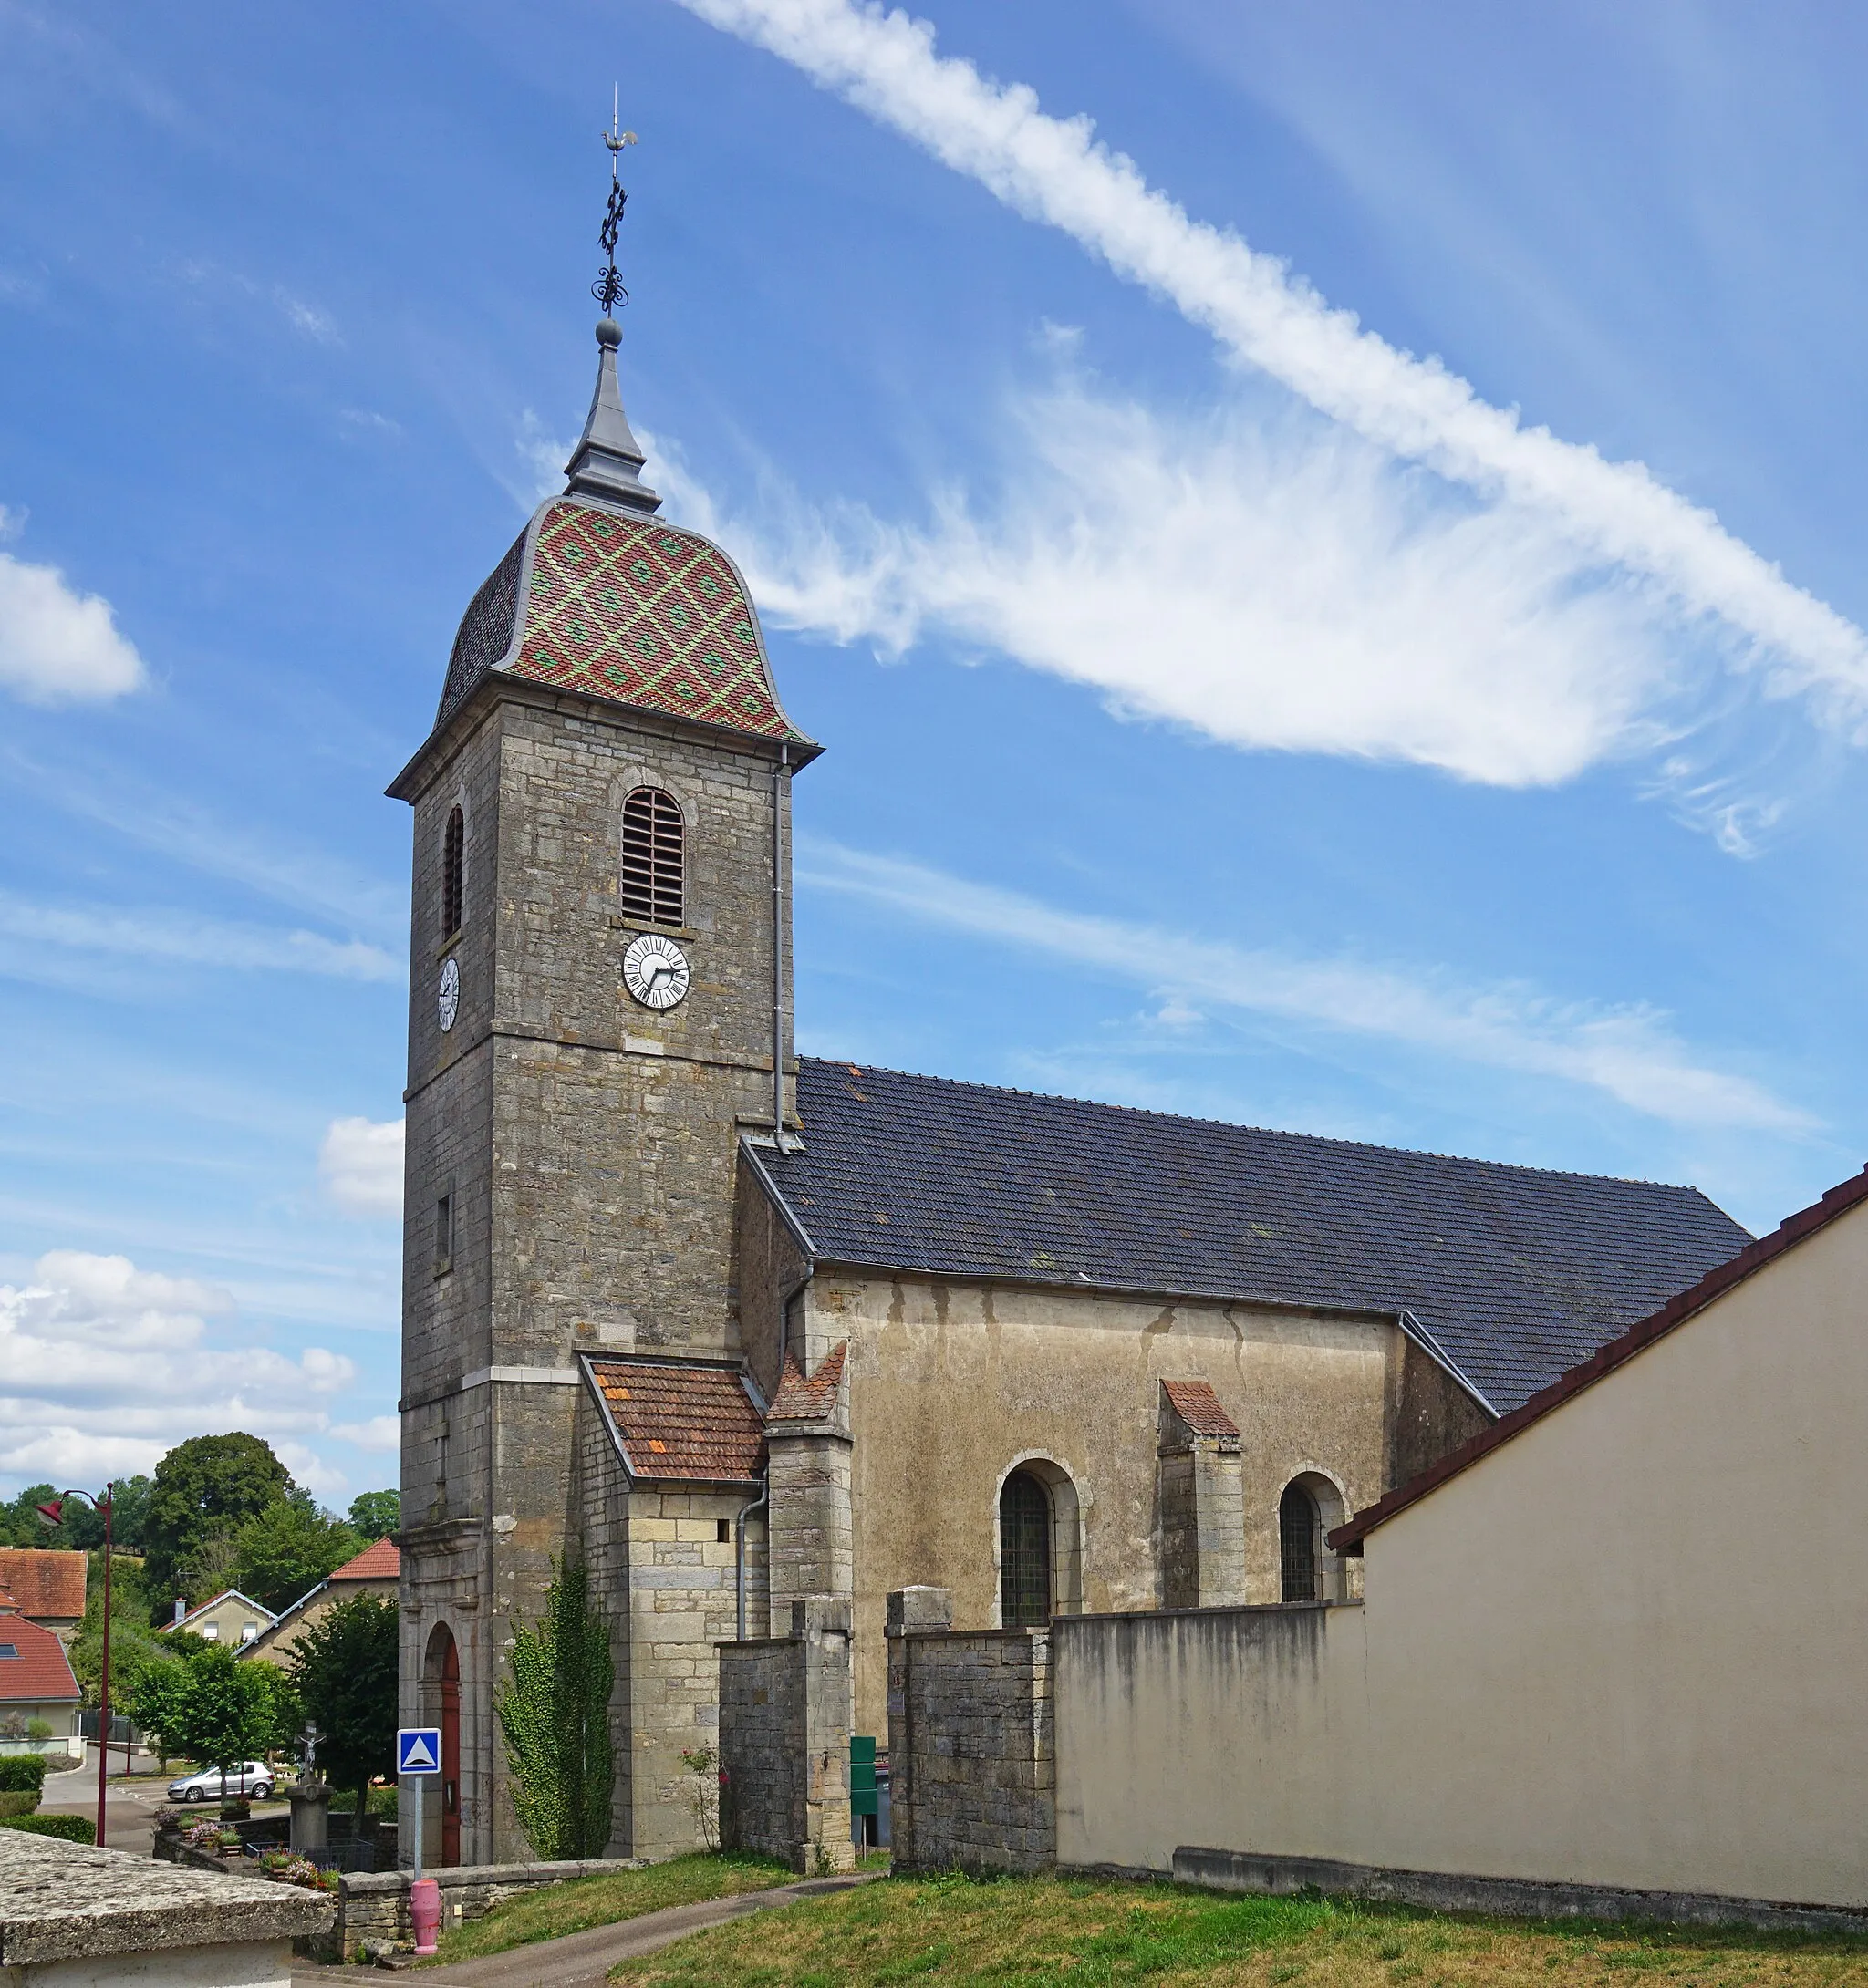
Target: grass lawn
<point x="567" y="1908"/>
<point x="1029" y="1931"/>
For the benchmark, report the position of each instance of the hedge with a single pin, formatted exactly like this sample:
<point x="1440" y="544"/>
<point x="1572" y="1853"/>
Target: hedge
<point x="21" y="1803"/>
<point x="73" y="1829"/>
<point x="22" y="1773"/>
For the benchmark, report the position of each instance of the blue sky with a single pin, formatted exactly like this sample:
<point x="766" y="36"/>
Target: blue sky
<point x="1227" y="712"/>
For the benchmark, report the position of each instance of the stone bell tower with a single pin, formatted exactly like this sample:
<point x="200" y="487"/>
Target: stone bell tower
<point x="600" y="1010"/>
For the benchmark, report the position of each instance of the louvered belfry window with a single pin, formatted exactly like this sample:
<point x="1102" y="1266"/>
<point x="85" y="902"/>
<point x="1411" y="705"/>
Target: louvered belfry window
<point x="652" y="856"/>
<point x="454" y="858"/>
<point x="1024" y="1552"/>
<point x="1297" y="1543"/>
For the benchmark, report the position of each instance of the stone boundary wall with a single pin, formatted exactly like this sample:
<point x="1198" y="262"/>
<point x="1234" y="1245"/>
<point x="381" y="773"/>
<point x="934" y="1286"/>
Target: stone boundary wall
<point x="972" y="1760"/>
<point x="373" y="1906"/>
<point x="784" y="1741"/>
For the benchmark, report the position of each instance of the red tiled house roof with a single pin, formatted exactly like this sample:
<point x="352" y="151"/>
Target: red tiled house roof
<point x="37" y="1672"/>
<point x="44" y="1583"/>
<point x="378" y="1562"/>
<point x="680" y="1423"/>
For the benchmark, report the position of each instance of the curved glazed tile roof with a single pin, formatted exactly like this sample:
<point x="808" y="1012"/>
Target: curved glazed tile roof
<point x="1518" y="1273"/>
<point x="616" y="606"/>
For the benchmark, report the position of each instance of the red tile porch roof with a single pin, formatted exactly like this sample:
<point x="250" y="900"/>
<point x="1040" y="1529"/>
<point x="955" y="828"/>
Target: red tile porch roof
<point x="684" y="1423"/>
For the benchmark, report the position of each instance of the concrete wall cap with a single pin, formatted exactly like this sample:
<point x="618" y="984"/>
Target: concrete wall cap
<point x="65" y="1901"/>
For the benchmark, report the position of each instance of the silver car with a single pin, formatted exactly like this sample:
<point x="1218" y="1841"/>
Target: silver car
<point x="251" y="1777"/>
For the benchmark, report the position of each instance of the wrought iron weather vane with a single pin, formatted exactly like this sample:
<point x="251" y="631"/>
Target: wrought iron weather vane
<point x="609" y="287"/>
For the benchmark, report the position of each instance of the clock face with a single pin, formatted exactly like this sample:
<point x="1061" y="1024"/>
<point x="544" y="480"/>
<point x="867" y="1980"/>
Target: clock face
<point x="447" y="994"/>
<point x="654" y="970"/>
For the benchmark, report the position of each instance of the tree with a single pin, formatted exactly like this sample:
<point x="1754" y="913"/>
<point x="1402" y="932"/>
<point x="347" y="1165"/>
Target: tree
<point x="209" y="1485"/>
<point x="21" y="1526"/>
<point x="212" y="1707"/>
<point x="377" y="1514"/>
<point x="345" y="1671"/>
<point x="288" y="1549"/>
<point x="554" y="1711"/>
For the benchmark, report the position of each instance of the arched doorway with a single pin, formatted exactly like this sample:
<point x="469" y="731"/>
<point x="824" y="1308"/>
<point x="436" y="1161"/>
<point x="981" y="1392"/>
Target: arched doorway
<point x="441" y="1673"/>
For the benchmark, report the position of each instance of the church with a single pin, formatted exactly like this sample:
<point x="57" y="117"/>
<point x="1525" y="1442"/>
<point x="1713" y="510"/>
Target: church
<point x="735" y="1327"/>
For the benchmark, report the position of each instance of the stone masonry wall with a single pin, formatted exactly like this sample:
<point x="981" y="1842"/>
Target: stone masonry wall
<point x="590" y="1146"/>
<point x="374" y="1907"/>
<point x="784" y="1741"/>
<point x="973" y="1764"/>
<point x="811" y="1528"/>
<point x="681" y="1599"/>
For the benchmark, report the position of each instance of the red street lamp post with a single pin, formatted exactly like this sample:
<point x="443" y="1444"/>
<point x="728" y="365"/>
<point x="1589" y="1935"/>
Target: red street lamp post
<point x="53" y="1515"/>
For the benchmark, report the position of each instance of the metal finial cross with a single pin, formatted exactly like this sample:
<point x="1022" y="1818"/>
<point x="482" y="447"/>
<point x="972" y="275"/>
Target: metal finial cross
<point x="608" y="288"/>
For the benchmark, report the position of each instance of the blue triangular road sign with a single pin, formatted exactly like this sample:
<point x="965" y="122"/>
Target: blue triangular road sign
<point x="419" y="1749"/>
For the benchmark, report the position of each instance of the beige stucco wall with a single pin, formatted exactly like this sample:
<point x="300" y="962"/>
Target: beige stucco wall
<point x="951" y="1385"/>
<point x="1625" y="1647"/>
<point x="1226" y="1728"/>
<point x="225" y="1621"/>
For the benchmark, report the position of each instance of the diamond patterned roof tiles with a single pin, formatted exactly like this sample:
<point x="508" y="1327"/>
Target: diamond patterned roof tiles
<point x="1518" y="1273"/>
<point x="696" y="1423"/>
<point x="627" y="609"/>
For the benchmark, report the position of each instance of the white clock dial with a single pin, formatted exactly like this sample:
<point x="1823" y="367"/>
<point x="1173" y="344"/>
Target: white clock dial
<point x="654" y="970"/>
<point x="447" y="994"/>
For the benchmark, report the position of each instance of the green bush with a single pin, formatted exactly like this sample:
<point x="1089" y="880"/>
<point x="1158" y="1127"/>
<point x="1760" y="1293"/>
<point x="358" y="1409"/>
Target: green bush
<point x="73" y="1829"/>
<point x="22" y="1773"/>
<point x="19" y="1802"/>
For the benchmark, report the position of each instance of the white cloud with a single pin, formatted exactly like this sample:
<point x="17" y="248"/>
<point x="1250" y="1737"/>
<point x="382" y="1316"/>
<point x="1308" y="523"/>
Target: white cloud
<point x="1629" y="1054"/>
<point x="381" y="1435"/>
<point x="58" y="646"/>
<point x="1276" y="584"/>
<point x="317" y="324"/>
<point x="103" y="1367"/>
<point x="360" y="1164"/>
<point x="195" y="941"/>
<point x="542" y="458"/>
<point x="1593" y="511"/>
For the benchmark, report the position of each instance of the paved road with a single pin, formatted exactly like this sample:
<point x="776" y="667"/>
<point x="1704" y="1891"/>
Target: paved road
<point x="582" y="1960"/>
<point x="130" y="1806"/>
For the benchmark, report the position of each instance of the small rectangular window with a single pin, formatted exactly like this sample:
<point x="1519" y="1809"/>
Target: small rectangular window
<point x="443" y="1233"/>
<point x="723" y="1530"/>
<point x="9" y="1650"/>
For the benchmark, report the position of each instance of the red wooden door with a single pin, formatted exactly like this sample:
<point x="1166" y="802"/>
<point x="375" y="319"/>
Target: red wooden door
<point x="451" y="1754"/>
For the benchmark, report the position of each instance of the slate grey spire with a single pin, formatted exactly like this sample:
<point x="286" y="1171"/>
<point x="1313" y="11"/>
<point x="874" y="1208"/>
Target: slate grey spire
<point x="608" y="461"/>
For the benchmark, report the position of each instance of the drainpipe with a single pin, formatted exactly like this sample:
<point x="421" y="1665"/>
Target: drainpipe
<point x="746" y="1511"/>
<point x="778" y="779"/>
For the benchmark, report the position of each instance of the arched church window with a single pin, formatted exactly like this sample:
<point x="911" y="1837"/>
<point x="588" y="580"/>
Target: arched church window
<point x="1297" y="1543"/>
<point x="454" y="858"/>
<point x="651" y="881"/>
<point x="1024" y="1552"/>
